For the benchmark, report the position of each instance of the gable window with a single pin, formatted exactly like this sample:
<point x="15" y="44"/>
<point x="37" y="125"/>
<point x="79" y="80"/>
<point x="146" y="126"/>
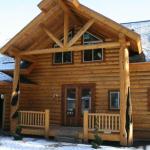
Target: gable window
<point x="114" y="100"/>
<point x="63" y="57"/>
<point x="92" y="54"/>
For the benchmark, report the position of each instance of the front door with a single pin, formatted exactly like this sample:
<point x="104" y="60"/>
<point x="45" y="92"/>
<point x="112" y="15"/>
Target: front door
<point x="76" y="100"/>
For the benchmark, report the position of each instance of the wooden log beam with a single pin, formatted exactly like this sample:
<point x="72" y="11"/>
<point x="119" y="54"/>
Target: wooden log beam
<point x="15" y="53"/>
<point x="124" y="89"/>
<point x="39" y="19"/>
<point x="107" y="45"/>
<point x="66" y="28"/>
<point x="67" y="10"/>
<point x="47" y="123"/>
<point x="110" y="23"/>
<point x="51" y="35"/>
<point x="75" y="3"/>
<point x="81" y="32"/>
<point x="85" y="126"/>
<point x="15" y="95"/>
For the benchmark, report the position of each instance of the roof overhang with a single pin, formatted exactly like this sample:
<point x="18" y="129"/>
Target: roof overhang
<point x="48" y="7"/>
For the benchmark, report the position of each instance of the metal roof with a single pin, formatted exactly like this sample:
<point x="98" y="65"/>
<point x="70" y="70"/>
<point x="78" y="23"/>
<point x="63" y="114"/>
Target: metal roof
<point x="5" y="78"/>
<point x="143" y="28"/>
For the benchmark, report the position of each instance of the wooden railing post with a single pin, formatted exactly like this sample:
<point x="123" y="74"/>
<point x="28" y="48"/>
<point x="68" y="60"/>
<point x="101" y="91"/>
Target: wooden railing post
<point x="85" y="126"/>
<point x="125" y="124"/>
<point x="47" y="123"/>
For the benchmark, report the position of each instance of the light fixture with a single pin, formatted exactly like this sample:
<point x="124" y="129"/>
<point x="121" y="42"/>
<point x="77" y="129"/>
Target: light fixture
<point x="2" y="96"/>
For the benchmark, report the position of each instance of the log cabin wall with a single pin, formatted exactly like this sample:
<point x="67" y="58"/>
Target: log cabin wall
<point x="50" y="79"/>
<point x="6" y="90"/>
<point x="140" y="84"/>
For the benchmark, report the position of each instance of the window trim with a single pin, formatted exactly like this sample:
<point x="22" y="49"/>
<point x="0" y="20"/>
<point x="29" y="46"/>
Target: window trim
<point x="92" y="56"/>
<point x="63" y="63"/>
<point x="100" y="40"/>
<point x="109" y="97"/>
<point x="92" y="42"/>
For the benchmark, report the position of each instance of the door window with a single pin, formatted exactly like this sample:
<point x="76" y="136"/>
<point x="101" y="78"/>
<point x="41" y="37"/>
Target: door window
<point x="71" y="101"/>
<point x="85" y="99"/>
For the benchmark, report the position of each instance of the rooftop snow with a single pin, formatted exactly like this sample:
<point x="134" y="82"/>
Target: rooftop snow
<point x="143" y="28"/>
<point x="5" y="78"/>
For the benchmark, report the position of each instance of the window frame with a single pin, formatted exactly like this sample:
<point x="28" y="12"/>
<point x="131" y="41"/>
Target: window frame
<point x="56" y="46"/>
<point x="62" y="62"/>
<point x="110" y="100"/>
<point x="83" y="60"/>
<point x="100" y="40"/>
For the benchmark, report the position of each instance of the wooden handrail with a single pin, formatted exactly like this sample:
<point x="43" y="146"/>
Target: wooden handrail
<point x="100" y="122"/>
<point x="104" y="122"/>
<point x="35" y="119"/>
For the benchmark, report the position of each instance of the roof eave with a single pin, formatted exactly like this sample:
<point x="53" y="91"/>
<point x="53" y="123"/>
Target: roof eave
<point x="118" y="27"/>
<point x="99" y="17"/>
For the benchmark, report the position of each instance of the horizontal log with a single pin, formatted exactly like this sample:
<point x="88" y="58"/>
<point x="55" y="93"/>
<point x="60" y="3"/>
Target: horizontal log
<point x="141" y="67"/>
<point x="73" y="48"/>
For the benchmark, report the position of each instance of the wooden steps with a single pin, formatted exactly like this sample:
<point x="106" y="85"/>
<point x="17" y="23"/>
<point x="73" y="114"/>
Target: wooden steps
<point x="55" y="131"/>
<point x="68" y="134"/>
<point x="68" y="139"/>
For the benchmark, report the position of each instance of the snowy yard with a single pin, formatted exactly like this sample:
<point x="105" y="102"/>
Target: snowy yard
<point x="7" y="143"/>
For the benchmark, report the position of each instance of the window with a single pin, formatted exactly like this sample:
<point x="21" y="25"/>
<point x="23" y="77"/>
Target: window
<point x="93" y="54"/>
<point x="114" y="100"/>
<point x="63" y="57"/>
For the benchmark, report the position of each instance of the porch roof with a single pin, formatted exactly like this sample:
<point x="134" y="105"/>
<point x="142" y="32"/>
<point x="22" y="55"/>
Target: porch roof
<point x="5" y="78"/>
<point x="32" y="35"/>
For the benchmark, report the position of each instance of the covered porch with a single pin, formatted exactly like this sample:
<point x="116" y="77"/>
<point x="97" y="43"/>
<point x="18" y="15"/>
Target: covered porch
<point x="112" y="72"/>
<point x="38" y="123"/>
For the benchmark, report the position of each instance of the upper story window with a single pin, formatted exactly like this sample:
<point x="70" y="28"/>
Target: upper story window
<point x="63" y="57"/>
<point x="114" y="100"/>
<point x="92" y="54"/>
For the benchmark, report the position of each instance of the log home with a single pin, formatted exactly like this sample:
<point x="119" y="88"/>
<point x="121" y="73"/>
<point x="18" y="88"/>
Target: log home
<point x="78" y="77"/>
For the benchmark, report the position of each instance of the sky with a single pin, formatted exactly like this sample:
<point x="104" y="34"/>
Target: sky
<point x="15" y="14"/>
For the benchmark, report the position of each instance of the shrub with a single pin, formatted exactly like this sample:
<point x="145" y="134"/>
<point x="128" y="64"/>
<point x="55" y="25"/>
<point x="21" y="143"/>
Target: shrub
<point x="97" y="139"/>
<point x="18" y="130"/>
<point x="96" y="142"/>
<point x="17" y="135"/>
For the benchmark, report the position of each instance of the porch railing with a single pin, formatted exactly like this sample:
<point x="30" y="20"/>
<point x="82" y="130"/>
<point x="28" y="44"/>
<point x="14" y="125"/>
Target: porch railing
<point x="102" y="122"/>
<point x="35" y="119"/>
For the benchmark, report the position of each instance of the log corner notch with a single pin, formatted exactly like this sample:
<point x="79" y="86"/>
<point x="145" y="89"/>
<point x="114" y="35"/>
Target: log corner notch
<point x="126" y="125"/>
<point x="15" y="95"/>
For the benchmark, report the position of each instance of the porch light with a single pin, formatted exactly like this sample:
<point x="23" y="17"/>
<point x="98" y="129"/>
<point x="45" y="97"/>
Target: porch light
<point x="2" y="96"/>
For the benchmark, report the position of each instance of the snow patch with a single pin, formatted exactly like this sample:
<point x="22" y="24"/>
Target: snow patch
<point x="7" y="143"/>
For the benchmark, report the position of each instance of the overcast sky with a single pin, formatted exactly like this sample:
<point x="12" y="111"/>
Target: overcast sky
<point x="15" y="14"/>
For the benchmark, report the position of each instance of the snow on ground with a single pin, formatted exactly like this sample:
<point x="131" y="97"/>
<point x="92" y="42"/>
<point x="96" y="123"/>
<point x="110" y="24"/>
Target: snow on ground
<point x="7" y="143"/>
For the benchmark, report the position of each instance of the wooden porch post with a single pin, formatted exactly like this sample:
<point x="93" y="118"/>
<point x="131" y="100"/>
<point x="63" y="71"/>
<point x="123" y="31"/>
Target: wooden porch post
<point x="47" y="122"/>
<point x="124" y="91"/>
<point x="15" y="95"/>
<point x="85" y="126"/>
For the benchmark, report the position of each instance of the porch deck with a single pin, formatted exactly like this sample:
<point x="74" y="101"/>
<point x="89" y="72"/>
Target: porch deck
<point x="37" y="123"/>
<point x="74" y="132"/>
<point x="54" y="131"/>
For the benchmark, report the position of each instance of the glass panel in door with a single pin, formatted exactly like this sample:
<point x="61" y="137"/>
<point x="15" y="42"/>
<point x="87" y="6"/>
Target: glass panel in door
<point x="71" y="101"/>
<point x="71" y="106"/>
<point x="86" y="100"/>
